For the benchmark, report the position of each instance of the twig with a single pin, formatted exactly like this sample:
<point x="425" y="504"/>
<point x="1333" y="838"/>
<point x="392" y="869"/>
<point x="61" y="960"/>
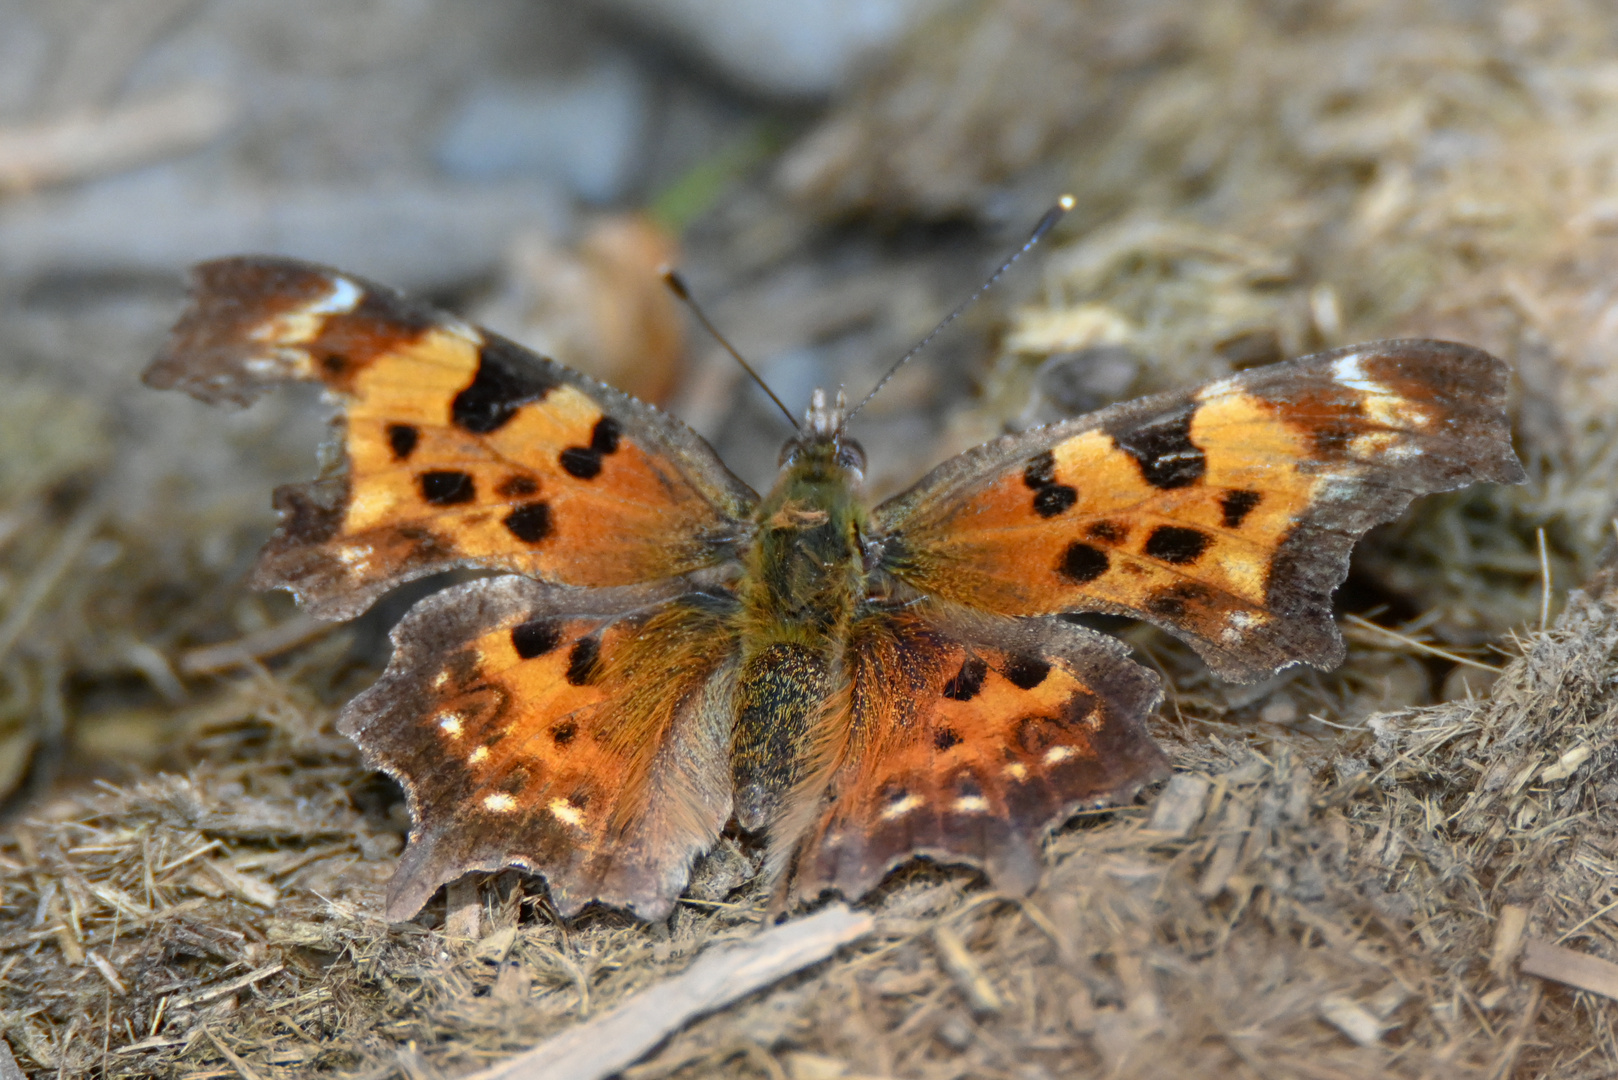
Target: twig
<point x="606" y="1044"/>
<point x="185" y="1001"/>
<point x="241" y="1067"/>
<point x="1422" y="646"/>
<point x="1544" y="581"/>
<point x="83" y="144"/>
<point x="255" y="646"/>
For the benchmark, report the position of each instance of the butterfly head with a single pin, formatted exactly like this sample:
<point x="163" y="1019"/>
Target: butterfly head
<point x="820" y="443"/>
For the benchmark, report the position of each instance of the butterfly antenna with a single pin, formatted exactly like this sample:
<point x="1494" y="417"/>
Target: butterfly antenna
<point x="1046" y="223"/>
<point x="677" y="286"/>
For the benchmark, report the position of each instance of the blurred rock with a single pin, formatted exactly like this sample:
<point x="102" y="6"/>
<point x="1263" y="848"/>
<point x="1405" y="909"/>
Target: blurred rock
<point x="417" y="235"/>
<point x="778" y="48"/>
<point x="585" y="132"/>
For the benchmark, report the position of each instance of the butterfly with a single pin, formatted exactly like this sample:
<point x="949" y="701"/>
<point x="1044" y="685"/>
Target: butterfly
<point x="659" y="651"/>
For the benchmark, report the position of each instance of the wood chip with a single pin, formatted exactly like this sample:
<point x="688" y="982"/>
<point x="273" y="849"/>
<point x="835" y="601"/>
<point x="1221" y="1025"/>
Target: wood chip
<point x="1566" y="765"/>
<point x="614" y="1039"/>
<point x="1570" y="967"/>
<point x="1180" y="807"/>
<point x="1508" y="932"/>
<point x="1352" y="1019"/>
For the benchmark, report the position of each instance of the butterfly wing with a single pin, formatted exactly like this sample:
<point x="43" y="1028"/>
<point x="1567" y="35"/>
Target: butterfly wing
<point x="1224" y="515"/>
<point x="457" y="447"/>
<point x="965" y="739"/>
<point x="577" y="735"/>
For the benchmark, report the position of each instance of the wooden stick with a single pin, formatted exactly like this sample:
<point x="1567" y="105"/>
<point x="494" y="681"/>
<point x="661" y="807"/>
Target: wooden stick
<point x="604" y="1045"/>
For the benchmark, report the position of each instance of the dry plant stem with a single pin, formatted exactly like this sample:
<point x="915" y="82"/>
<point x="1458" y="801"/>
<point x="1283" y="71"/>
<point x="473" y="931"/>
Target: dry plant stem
<point x="77" y="534"/>
<point x="617" y="1037"/>
<point x="87" y="144"/>
<point x="242" y="1068"/>
<point x="259" y="645"/>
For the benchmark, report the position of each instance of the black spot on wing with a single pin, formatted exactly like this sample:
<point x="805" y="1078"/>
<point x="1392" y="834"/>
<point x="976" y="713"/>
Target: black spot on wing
<point x="1236" y="505"/>
<point x="507" y="379"/>
<point x="530" y="522"/>
<point x="968" y="682"/>
<point x="1164" y="451"/>
<point x="1026" y="672"/>
<point x="1041" y="471"/>
<point x="944" y="738"/>
<point x="447" y="487"/>
<point x="1051" y="501"/>
<point x="604" y="436"/>
<point x="561" y="735"/>
<point x="580" y="462"/>
<point x="536" y="637"/>
<point x="1082" y="563"/>
<point x="1050" y="498"/>
<point x="402" y="439"/>
<point x="1173" y="544"/>
<point x="584" y="462"/>
<point x="583" y="662"/>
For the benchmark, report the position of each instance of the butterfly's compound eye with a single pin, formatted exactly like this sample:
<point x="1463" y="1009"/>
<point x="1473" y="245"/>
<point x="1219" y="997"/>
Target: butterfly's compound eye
<point x="789" y="453"/>
<point x="851" y="456"/>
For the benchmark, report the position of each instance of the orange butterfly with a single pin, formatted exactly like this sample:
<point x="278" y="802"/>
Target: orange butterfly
<point x="664" y="651"/>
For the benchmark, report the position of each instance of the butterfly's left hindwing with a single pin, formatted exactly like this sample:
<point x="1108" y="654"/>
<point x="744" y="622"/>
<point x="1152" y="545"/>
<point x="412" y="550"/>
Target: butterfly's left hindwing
<point x="1224" y="515"/>
<point x="966" y="739"/>
<point x="578" y="734"/>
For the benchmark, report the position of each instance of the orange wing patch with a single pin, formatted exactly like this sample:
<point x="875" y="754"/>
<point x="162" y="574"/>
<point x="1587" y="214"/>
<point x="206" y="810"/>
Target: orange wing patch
<point x="1225" y="515"/>
<point x="966" y="743"/>
<point x="589" y="747"/>
<point x="460" y="447"/>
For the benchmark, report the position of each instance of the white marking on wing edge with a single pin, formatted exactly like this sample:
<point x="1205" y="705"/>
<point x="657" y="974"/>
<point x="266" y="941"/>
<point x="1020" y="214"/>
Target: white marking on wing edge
<point x="499" y="803"/>
<point x="478" y="756"/>
<point x="567" y="812"/>
<point x="1058" y="754"/>
<point x="440" y="679"/>
<point x="1217" y="388"/>
<point x="902" y="807"/>
<point x="1017" y="770"/>
<point x="1347" y="371"/>
<point x="972" y="804"/>
<point x="451" y="723"/>
<point x="343" y="298"/>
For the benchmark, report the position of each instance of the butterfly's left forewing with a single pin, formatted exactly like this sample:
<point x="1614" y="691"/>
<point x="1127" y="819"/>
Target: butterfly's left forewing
<point x="965" y="740"/>
<point x="454" y="447"/>
<point x="1224" y="515"/>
